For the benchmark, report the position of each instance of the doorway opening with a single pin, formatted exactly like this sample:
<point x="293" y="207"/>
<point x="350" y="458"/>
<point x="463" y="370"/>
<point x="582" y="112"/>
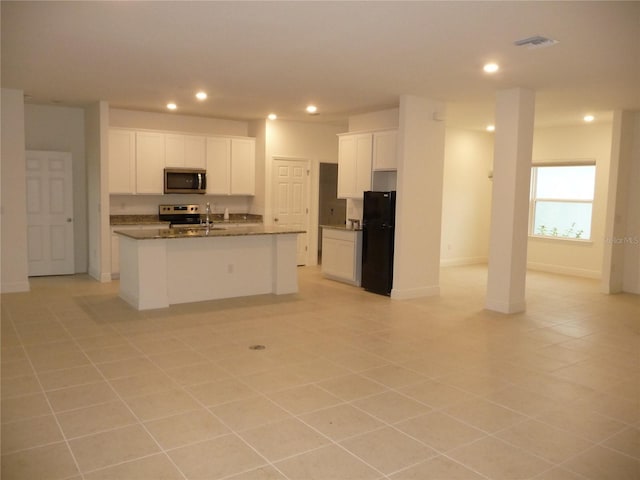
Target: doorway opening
<point x="331" y="209"/>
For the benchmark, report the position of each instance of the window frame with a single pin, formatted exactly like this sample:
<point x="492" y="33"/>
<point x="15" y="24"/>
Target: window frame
<point x="533" y="199"/>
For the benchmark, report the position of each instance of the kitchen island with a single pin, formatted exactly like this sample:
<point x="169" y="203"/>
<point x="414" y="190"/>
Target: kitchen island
<point x="166" y="266"/>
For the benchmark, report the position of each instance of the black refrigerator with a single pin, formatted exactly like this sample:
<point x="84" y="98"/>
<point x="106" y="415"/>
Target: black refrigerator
<point x="378" y="225"/>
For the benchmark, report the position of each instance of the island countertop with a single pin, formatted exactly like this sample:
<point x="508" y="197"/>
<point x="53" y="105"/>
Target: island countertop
<point x="202" y="232"/>
<point x="341" y="227"/>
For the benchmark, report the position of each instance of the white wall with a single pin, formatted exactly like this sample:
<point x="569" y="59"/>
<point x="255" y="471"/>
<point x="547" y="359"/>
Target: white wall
<point x="61" y="129"/>
<point x="381" y="119"/>
<point x="466" y="202"/>
<point x="590" y="142"/>
<point x="13" y="210"/>
<point x="148" y="204"/>
<point x="317" y="143"/>
<point x="176" y="123"/>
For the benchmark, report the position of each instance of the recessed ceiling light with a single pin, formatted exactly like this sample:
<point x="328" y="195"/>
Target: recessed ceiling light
<point x="272" y="116"/>
<point x="201" y="95"/>
<point x="491" y="68"/>
<point x="491" y="128"/>
<point x="589" y="118"/>
<point x="171" y="106"/>
<point x="312" y="109"/>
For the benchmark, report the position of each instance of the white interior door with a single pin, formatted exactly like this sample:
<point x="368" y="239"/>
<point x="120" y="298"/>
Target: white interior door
<point x="49" y="213"/>
<point x="290" y="186"/>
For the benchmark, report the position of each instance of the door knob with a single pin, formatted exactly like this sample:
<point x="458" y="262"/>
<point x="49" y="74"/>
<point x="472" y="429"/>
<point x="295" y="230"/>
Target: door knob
<point x="69" y="220"/>
<point x="275" y="219"/>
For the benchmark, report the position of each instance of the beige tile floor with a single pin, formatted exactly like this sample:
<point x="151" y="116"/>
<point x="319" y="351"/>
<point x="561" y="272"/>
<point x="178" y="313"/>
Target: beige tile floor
<point x="350" y="385"/>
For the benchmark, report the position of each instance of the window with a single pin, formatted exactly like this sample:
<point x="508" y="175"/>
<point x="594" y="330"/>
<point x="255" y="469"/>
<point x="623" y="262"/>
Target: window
<point x="562" y="201"/>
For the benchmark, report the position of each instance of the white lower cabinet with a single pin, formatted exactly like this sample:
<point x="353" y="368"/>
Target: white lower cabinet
<point x="342" y="254"/>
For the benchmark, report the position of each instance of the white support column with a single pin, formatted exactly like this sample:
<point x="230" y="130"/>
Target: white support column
<point x="419" y="198"/>
<point x="14" y="276"/>
<point x="510" y="201"/>
<point x="618" y="236"/>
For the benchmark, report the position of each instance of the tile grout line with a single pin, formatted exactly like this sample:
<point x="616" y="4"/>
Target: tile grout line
<point x="130" y="411"/>
<point x="53" y="414"/>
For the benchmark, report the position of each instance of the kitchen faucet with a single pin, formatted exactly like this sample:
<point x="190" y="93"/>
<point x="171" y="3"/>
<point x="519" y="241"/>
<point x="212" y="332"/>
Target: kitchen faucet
<point x="208" y="213"/>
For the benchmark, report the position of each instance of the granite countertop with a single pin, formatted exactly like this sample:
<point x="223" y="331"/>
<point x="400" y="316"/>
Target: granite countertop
<point x="341" y="227"/>
<point x="201" y="232"/>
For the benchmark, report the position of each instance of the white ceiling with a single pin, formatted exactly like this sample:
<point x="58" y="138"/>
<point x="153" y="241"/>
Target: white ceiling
<point x="346" y="57"/>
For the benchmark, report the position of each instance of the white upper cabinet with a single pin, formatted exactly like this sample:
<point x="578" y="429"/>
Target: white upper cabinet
<point x="122" y="161"/>
<point x="231" y="166"/>
<point x="195" y="151"/>
<point x="137" y="160"/>
<point x="174" y="150"/>
<point x="346" y="166"/>
<point x="354" y="165"/>
<point x="150" y="154"/>
<point x="243" y="166"/>
<point x="187" y="151"/>
<point x="218" y="160"/>
<point x="384" y="150"/>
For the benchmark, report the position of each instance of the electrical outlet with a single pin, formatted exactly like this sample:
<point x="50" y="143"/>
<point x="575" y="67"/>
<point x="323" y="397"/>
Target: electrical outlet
<point x="230" y="268"/>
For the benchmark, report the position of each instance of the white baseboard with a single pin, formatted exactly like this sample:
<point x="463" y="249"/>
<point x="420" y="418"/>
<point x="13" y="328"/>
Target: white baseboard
<point x="456" y="262"/>
<point x="630" y="288"/>
<point x="562" y="270"/>
<point x="505" y="307"/>
<point x="102" y="277"/>
<point x="14" y="287"/>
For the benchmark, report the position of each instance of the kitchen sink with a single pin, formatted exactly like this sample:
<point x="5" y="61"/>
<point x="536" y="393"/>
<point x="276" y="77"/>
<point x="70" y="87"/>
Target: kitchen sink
<point x="198" y="230"/>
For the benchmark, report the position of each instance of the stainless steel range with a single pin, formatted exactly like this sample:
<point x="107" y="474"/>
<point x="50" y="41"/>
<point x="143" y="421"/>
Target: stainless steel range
<point x="180" y="215"/>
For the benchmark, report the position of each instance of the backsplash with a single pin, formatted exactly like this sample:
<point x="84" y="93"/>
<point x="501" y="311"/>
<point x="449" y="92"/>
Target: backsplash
<point x="354" y="208"/>
<point x="148" y="204"/>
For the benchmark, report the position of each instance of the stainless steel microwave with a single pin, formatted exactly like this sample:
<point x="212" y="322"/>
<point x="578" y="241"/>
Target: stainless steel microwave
<point x="185" y="180"/>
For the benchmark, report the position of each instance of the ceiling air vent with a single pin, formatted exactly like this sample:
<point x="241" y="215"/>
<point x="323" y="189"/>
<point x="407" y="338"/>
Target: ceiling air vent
<point x="537" y="41"/>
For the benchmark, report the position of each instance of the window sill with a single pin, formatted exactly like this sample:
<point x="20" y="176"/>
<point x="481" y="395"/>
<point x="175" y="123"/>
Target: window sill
<point x="578" y="241"/>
